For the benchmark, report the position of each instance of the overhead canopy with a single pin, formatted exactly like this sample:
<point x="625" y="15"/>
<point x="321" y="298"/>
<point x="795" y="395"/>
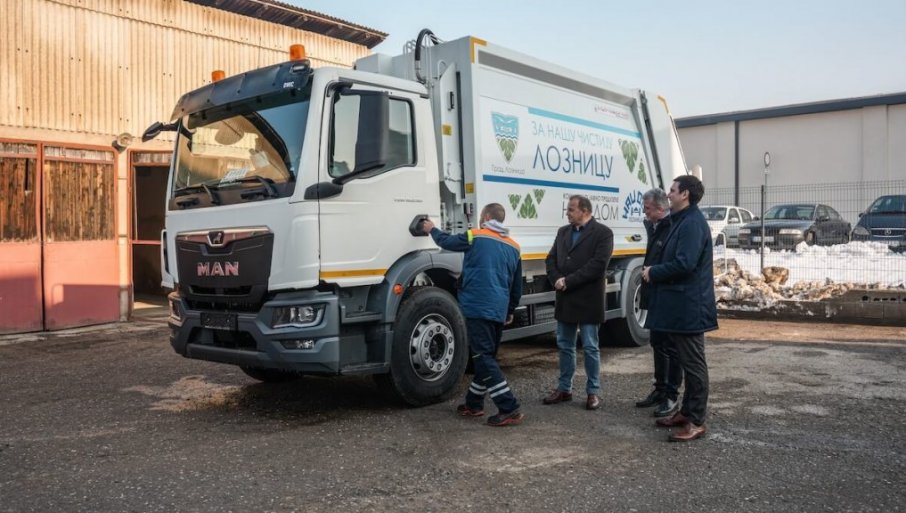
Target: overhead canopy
<point x="296" y="17"/>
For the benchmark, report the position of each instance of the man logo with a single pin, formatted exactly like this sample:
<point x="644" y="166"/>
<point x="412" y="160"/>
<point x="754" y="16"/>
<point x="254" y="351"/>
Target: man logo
<point x="215" y="239"/>
<point x="888" y="232"/>
<point x="217" y="269"/>
<point x="506" y="129"/>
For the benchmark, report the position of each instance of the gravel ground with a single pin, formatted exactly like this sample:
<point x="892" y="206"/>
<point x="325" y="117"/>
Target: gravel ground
<point x="804" y="417"/>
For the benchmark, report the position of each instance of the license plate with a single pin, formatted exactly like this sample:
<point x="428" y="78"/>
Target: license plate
<point x="893" y="243"/>
<point x="219" y="321"/>
<point x="766" y="239"/>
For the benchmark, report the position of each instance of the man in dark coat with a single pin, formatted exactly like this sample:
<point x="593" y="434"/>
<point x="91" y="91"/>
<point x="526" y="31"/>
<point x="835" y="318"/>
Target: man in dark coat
<point x="577" y="268"/>
<point x="682" y="301"/>
<point x="668" y="375"/>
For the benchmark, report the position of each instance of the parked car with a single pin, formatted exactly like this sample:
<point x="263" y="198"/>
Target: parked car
<point x="785" y="226"/>
<point x="884" y="221"/>
<point x="725" y="221"/>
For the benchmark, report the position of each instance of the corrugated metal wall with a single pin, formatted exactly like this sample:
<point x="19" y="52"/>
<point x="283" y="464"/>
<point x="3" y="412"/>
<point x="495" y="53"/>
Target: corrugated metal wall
<point x="112" y="66"/>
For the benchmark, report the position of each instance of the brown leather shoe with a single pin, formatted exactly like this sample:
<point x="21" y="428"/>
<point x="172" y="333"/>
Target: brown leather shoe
<point x="676" y="420"/>
<point x="557" y="396"/>
<point x="593" y="402"/>
<point x="689" y="432"/>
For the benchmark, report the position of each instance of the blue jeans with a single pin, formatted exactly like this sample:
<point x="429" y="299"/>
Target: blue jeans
<point x="566" y="343"/>
<point x="484" y="339"/>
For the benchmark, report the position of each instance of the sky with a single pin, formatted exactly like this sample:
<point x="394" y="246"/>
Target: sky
<point x="704" y="56"/>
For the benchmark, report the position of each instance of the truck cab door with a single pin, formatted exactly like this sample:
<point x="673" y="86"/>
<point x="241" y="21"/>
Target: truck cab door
<point x="380" y="181"/>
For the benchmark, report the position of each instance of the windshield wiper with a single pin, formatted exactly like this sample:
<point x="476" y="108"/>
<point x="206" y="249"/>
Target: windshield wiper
<point x="267" y="186"/>
<point x="192" y="189"/>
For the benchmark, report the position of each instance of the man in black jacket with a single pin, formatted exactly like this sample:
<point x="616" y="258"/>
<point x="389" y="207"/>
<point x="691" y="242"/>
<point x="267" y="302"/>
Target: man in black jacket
<point x="577" y="268"/>
<point x="668" y="375"/>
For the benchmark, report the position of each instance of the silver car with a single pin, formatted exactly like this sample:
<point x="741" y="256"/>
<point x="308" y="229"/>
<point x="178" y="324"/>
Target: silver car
<point x="725" y="221"/>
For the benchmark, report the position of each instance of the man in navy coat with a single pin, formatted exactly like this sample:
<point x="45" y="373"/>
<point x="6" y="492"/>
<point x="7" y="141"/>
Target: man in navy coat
<point x="682" y="303"/>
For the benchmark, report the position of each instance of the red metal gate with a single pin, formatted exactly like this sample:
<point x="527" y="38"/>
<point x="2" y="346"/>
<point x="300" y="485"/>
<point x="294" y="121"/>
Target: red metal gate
<point x="81" y="270"/>
<point x="59" y="266"/>
<point x="20" y="243"/>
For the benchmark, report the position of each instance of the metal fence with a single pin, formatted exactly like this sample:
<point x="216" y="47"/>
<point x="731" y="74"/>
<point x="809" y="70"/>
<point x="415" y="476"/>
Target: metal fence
<point x="809" y="229"/>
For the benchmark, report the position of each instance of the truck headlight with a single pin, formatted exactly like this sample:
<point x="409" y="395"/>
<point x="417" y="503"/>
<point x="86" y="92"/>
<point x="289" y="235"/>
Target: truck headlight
<point x="744" y="231"/>
<point x="175" y="309"/>
<point x="790" y="231"/>
<point x="861" y="231"/>
<point x="297" y="316"/>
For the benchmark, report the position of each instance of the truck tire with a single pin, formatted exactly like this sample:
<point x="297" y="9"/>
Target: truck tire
<point x="430" y="349"/>
<point x="270" y="375"/>
<point x="628" y="331"/>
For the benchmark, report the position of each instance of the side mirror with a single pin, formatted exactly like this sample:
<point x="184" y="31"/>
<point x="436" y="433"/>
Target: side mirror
<point x="322" y="190"/>
<point x="755" y="218"/>
<point x="822" y="219"/>
<point x="861" y="214"/>
<point x="373" y="139"/>
<point x="156" y="128"/>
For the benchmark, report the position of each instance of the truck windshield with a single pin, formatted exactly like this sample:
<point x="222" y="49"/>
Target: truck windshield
<point x="236" y="149"/>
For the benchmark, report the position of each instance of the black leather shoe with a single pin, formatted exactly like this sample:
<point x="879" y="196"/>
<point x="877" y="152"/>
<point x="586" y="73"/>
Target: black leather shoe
<point x="666" y="408"/>
<point x="653" y="398"/>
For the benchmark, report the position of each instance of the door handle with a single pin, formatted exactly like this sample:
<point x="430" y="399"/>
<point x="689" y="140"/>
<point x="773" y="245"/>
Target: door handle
<point x="415" y="227"/>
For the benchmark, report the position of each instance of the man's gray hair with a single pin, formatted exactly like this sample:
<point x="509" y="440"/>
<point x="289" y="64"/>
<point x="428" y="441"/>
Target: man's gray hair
<point x="658" y="196"/>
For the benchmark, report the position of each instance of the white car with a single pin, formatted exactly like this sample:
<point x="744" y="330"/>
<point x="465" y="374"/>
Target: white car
<point x="725" y="221"/>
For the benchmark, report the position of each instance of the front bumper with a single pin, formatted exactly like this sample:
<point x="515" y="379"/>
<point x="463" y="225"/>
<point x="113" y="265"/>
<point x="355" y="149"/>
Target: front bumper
<point x="254" y="343"/>
<point x="776" y="241"/>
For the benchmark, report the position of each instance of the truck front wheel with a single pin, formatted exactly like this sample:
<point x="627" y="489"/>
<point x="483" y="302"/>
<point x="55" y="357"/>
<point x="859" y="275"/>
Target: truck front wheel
<point x="430" y="349"/>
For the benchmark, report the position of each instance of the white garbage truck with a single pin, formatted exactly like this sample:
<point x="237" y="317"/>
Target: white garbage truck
<point x="293" y="242"/>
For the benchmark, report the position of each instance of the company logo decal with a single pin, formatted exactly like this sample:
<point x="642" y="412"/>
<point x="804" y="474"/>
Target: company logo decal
<point x="632" y="207"/>
<point x="216" y="238"/>
<point x="506" y="130"/>
<point x="527" y="210"/>
<point x="630" y="150"/>
<point x="217" y="268"/>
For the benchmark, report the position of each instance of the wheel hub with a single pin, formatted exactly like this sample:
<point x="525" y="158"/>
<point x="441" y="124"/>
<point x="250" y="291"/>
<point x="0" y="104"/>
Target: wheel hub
<point x="431" y="347"/>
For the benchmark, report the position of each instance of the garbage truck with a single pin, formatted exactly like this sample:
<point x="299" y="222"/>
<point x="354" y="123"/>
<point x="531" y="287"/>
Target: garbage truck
<point x="293" y="242"/>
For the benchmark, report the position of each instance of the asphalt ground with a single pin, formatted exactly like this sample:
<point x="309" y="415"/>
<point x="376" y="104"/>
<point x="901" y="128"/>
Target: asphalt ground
<point x="803" y="417"/>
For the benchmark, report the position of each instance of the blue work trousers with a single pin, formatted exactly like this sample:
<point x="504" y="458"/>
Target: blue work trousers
<point x="484" y="339"/>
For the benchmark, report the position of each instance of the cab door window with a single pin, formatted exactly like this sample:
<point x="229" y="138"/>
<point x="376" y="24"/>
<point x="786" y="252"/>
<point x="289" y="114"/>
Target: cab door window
<point x="344" y="134"/>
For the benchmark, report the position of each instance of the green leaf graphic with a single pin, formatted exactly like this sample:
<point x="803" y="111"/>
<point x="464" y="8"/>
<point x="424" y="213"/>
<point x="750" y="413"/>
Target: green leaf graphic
<point x="642" y="175"/>
<point x="508" y="147"/>
<point x="539" y="193"/>
<point x="630" y="152"/>
<point x="514" y="200"/>
<point x="528" y="210"/>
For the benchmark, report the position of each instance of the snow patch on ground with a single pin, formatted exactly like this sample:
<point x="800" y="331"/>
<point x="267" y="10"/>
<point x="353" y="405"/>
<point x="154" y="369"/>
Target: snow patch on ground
<point x="815" y="273"/>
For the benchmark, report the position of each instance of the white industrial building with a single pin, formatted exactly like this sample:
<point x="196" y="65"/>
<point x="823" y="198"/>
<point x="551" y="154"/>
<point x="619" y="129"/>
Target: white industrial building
<point x="844" y="152"/>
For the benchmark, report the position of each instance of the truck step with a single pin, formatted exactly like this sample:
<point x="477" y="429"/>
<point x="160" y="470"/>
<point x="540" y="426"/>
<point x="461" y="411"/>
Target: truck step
<point x="364" y="368"/>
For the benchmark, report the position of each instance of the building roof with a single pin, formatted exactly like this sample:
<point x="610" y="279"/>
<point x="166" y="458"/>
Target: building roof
<point x="303" y="19"/>
<point x="793" y="110"/>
